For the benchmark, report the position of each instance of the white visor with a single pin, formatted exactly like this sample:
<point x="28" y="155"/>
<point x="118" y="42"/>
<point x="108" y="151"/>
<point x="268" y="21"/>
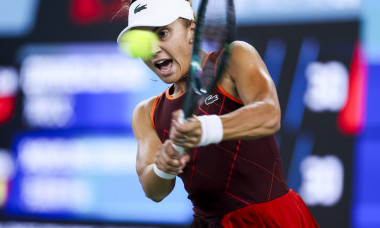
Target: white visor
<point x="157" y="13"/>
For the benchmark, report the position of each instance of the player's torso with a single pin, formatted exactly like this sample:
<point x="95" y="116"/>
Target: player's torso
<point x="229" y="175"/>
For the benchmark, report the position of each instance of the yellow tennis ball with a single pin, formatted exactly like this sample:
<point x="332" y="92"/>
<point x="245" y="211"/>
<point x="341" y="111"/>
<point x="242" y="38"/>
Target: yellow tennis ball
<point x="139" y="43"/>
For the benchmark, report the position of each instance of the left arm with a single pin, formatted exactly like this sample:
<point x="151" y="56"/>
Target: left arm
<point x="248" y="80"/>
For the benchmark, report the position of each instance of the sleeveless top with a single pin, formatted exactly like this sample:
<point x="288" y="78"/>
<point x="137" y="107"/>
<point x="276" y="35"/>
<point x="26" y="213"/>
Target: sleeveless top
<point x="223" y="177"/>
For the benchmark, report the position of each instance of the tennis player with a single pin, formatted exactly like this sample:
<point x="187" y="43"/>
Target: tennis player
<point x="232" y="169"/>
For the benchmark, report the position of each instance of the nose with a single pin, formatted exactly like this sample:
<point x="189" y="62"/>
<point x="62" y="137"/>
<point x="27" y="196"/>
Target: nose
<point x="156" y="47"/>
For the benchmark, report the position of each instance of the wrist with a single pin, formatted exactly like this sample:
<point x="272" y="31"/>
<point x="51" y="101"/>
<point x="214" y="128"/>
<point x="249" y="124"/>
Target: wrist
<point x="162" y="174"/>
<point x="212" y="130"/>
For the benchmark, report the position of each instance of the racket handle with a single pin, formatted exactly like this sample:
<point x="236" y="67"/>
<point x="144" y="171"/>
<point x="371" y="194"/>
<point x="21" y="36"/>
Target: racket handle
<point x="181" y="120"/>
<point x="180" y="150"/>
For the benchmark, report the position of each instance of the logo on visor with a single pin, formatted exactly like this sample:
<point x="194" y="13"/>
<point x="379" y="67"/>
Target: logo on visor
<point x="139" y="8"/>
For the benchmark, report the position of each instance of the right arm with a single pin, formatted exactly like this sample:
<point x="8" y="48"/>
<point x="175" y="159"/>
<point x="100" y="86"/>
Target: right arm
<point x="151" y="151"/>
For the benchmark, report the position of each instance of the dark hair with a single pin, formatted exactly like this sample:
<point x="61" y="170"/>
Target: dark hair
<point x="124" y="10"/>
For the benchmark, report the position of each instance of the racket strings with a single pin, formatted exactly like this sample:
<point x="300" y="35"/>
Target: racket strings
<point x="215" y="26"/>
<point x="214" y="38"/>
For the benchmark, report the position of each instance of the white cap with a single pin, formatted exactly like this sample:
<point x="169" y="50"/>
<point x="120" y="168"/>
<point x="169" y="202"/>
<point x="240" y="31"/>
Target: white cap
<point x="157" y="13"/>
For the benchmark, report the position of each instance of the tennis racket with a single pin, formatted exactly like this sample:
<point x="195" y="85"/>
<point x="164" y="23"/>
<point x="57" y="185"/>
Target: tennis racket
<point x="215" y="30"/>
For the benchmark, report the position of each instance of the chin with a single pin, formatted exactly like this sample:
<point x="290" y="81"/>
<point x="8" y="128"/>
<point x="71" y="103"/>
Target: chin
<point x="169" y="79"/>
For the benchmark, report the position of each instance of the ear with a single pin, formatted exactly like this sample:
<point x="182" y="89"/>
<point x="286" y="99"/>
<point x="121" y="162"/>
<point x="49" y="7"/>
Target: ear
<point x="192" y="30"/>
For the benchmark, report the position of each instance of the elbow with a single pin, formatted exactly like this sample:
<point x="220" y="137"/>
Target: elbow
<point x="274" y="124"/>
<point x="273" y="127"/>
<point x="154" y="187"/>
<point x="153" y="197"/>
<point x="277" y="126"/>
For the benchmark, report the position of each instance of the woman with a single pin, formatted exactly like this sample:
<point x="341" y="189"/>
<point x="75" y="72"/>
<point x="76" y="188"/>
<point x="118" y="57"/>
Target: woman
<point x="232" y="169"/>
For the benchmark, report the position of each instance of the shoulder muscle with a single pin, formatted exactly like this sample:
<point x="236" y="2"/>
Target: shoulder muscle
<point x="249" y="73"/>
<point x="141" y="115"/>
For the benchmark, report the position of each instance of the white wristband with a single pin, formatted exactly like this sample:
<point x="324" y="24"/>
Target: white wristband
<point x="212" y="130"/>
<point x="162" y="174"/>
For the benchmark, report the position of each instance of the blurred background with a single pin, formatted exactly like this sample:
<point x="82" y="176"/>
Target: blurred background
<point x="67" y="151"/>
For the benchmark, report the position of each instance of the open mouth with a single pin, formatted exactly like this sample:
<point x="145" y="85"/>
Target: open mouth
<point x="164" y="65"/>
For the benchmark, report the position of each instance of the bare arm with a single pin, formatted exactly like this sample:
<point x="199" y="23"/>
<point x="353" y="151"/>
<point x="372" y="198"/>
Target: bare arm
<point x="248" y="79"/>
<point x="151" y="151"/>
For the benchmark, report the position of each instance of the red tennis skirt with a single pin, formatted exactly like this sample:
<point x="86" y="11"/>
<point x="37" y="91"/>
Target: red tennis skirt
<point x="286" y="211"/>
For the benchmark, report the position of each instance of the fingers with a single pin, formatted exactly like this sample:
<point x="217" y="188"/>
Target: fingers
<point x="184" y="159"/>
<point x="186" y="135"/>
<point x="167" y="159"/>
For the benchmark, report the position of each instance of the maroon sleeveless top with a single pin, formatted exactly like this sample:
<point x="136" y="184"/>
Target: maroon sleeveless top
<point x="223" y="177"/>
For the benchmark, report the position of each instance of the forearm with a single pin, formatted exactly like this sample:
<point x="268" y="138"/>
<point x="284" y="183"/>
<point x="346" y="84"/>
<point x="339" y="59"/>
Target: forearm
<point x="252" y="121"/>
<point x="155" y="187"/>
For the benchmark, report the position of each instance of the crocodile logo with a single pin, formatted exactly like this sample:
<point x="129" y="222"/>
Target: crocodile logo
<point x="211" y="99"/>
<point x="139" y="8"/>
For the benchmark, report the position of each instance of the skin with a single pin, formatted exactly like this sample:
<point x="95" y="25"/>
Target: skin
<point x="246" y="78"/>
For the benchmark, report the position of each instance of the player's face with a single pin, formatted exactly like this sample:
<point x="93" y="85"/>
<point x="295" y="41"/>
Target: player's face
<point x="173" y="54"/>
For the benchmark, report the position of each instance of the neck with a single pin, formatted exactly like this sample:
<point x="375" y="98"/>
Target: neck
<point x="179" y="87"/>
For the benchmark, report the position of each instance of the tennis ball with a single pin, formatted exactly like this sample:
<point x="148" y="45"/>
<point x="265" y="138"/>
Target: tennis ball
<point x="139" y="43"/>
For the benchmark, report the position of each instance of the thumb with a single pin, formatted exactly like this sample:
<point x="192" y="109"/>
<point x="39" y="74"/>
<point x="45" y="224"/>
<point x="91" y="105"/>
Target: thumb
<point x="185" y="158"/>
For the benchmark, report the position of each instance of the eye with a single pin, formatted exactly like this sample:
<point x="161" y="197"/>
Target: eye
<point x="162" y="34"/>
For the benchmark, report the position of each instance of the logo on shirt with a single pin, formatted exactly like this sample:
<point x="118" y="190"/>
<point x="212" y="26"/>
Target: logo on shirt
<point x="211" y="99"/>
<point x="139" y="8"/>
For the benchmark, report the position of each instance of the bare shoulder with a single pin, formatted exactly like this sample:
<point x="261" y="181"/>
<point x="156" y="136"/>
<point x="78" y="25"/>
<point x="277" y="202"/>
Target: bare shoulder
<point x="243" y="52"/>
<point x="145" y="105"/>
<point x="238" y="44"/>
<point x="247" y="77"/>
<point x="244" y="60"/>
<point x="141" y="113"/>
<point x="243" y="63"/>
